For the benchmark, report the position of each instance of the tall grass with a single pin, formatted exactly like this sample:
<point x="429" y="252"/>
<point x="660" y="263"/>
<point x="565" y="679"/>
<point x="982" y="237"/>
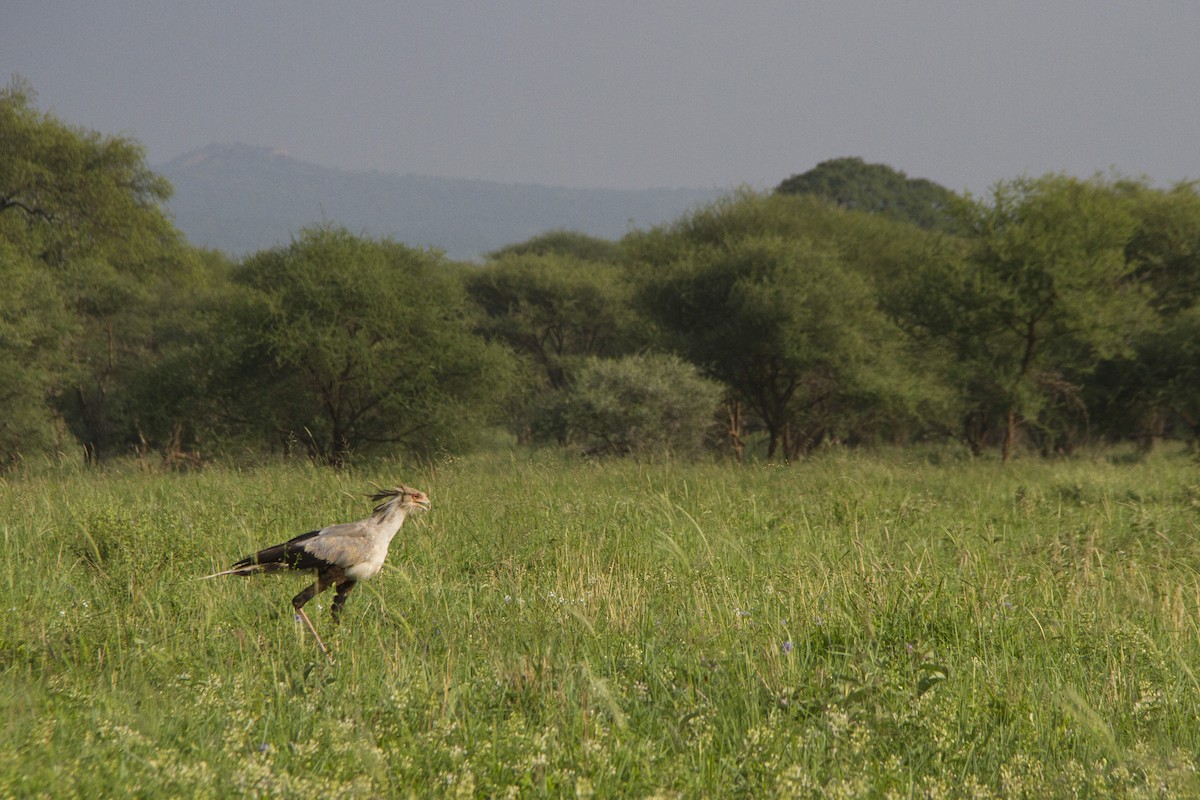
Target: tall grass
<point x="843" y="627"/>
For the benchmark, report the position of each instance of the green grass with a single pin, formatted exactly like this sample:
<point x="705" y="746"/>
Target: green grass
<point x="844" y="627"/>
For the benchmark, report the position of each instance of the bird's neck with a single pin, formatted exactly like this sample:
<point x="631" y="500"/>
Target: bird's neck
<point x="389" y="520"/>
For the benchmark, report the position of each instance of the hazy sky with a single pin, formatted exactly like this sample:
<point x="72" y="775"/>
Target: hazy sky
<point x="609" y="93"/>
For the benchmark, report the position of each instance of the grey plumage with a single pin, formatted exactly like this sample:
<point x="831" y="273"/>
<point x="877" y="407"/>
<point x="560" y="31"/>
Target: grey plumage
<point x="340" y="554"/>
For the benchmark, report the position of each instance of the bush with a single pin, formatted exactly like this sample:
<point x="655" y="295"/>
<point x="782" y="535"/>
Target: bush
<point x="642" y="404"/>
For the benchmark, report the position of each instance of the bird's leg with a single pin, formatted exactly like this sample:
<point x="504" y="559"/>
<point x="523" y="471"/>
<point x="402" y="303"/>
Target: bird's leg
<point x="316" y="636"/>
<point x="298" y="603"/>
<point x="343" y="591"/>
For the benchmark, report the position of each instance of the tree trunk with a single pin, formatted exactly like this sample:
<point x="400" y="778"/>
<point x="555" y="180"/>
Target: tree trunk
<point x="773" y="441"/>
<point x="733" y="411"/>
<point x="1010" y="432"/>
<point x="1010" y="426"/>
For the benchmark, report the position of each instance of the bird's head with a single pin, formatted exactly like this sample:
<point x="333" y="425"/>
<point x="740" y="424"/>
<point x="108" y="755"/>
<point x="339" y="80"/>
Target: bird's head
<point x="401" y="498"/>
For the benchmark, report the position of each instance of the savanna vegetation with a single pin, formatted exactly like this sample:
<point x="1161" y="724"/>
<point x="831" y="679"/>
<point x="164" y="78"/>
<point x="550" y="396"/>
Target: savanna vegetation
<point x="769" y="501"/>
<point x="853" y="306"/>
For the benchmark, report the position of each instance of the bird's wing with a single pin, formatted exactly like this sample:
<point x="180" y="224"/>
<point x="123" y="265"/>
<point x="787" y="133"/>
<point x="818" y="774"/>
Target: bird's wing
<point x="291" y="554"/>
<point x="344" y="545"/>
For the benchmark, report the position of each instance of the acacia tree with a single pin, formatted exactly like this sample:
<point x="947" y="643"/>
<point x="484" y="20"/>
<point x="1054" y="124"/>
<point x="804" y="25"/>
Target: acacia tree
<point x="1147" y="393"/>
<point x="554" y="311"/>
<point x="345" y="344"/>
<point x="33" y="325"/>
<point x="82" y="209"/>
<point x="1042" y="297"/>
<point x="793" y="334"/>
<point x="780" y="298"/>
<point x="572" y="245"/>
<point x="879" y="189"/>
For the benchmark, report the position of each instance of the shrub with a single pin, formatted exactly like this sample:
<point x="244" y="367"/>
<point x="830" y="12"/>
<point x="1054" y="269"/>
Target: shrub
<point x="642" y="404"/>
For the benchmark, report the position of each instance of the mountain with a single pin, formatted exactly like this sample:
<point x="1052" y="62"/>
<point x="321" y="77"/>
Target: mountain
<point x="241" y="199"/>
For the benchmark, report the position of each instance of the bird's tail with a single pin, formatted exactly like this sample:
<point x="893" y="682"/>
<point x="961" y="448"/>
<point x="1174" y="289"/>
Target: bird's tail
<point x="247" y="567"/>
<point x="289" y="555"/>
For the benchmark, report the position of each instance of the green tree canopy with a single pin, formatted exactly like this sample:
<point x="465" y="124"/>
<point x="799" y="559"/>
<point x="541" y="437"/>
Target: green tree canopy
<point x="1164" y="250"/>
<point x="1148" y="391"/>
<point x="795" y="335"/>
<point x="879" y="189"/>
<point x="83" y="209"/>
<point x="33" y="327"/>
<point x="68" y="195"/>
<point x="1042" y="297"/>
<point x="555" y="310"/>
<point x="570" y="244"/>
<point x="780" y="298"/>
<point x="349" y="344"/>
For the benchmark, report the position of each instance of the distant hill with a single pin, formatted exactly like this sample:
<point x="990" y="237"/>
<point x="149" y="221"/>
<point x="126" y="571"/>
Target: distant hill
<point x="240" y="199"/>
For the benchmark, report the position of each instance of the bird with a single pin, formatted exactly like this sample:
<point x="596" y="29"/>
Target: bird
<point x="341" y="555"/>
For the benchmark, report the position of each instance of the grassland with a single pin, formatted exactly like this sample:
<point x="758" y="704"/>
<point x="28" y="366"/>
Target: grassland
<point x="844" y="627"/>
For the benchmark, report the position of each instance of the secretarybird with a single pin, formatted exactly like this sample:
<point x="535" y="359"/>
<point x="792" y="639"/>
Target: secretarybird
<point x="342" y="555"/>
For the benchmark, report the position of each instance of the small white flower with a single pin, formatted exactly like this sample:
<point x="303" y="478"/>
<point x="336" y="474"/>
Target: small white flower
<point x="508" y="598"/>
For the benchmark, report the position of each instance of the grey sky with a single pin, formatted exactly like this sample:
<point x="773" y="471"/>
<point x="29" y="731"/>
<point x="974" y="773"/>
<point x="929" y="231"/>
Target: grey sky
<point x="609" y="93"/>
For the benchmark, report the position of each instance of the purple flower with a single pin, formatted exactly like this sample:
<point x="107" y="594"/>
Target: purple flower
<point x="787" y="647"/>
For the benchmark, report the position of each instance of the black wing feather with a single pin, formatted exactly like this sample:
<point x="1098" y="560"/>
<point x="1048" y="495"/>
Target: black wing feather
<point x="288" y="555"/>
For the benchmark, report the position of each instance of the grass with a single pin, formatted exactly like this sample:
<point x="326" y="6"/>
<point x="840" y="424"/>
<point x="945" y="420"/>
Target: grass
<point x="845" y="627"/>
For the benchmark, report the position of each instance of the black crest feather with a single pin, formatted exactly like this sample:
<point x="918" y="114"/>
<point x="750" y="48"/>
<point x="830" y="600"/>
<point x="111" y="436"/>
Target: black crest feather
<point x="384" y="494"/>
<point x="384" y="498"/>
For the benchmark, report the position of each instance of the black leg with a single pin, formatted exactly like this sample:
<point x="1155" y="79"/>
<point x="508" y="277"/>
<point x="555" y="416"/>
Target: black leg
<point x="343" y="591"/>
<point x="308" y="594"/>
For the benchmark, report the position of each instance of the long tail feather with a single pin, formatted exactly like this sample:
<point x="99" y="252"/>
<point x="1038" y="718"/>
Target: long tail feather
<point x="289" y="555"/>
<point x="250" y="569"/>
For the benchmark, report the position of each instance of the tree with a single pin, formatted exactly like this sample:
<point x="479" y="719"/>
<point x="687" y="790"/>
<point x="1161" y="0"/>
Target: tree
<point x="1043" y="296"/>
<point x="173" y="392"/>
<point x="879" y="189"/>
<point x="33" y="326"/>
<point x="780" y="298"/>
<point x="348" y="344"/>
<point x="67" y="192"/>
<point x="570" y="244"/>
<point x="84" y="209"/>
<point x="1164" y="250"/>
<point x="783" y="324"/>
<point x="554" y="312"/>
<point x="1147" y="392"/>
<point x="1151" y="392"/>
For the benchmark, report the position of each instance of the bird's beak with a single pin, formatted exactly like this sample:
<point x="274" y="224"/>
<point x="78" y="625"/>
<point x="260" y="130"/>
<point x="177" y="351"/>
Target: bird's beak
<point x="421" y="503"/>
